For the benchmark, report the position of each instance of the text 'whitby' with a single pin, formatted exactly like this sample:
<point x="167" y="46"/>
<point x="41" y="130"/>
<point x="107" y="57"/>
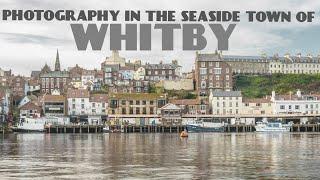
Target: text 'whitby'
<point x="193" y="37"/>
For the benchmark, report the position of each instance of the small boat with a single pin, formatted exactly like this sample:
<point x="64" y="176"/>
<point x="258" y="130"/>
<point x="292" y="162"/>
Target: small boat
<point x="272" y="127"/>
<point x="30" y="125"/>
<point x="184" y="134"/>
<point x="205" y="126"/>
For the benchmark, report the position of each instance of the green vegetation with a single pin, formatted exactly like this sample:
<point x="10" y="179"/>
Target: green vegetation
<point x="182" y="94"/>
<point x="254" y="86"/>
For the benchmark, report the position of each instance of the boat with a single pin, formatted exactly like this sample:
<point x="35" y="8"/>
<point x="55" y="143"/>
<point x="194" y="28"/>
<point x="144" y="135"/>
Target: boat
<point x="30" y="125"/>
<point x="272" y="127"/>
<point x="205" y="126"/>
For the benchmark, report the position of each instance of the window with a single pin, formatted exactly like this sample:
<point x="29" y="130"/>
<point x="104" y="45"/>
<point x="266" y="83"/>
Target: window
<point x="217" y="70"/>
<point x="297" y="107"/>
<point x="217" y="64"/>
<point x="203" y="64"/>
<point x="282" y="107"/>
<point x="203" y="71"/>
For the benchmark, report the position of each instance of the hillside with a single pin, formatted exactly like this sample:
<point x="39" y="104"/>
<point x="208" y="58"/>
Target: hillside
<point x="256" y="86"/>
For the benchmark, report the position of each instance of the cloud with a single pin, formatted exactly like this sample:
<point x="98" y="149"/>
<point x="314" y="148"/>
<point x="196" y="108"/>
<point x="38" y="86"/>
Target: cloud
<point x="22" y="38"/>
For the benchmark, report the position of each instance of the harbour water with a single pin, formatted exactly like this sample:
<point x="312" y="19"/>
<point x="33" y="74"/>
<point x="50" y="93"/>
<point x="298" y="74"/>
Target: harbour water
<point x="160" y="156"/>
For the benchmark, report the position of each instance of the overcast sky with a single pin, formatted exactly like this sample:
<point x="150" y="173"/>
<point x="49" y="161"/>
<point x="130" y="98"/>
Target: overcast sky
<point x="27" y="46"/>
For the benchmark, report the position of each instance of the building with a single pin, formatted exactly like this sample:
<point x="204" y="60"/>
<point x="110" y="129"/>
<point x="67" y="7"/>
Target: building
<point x="17" y="85"/>
<point x="247" y="64"/>
<point x="295" y="103"/>
<point x="257" y="106"/>
<point x="32" y="86"/>
<point x="54" y="80"/>
<point x="188" y="106"/>
<point x="75" y="74"/>
<point x="226" y="102"/>
<point x="212" y="73"/>
<point x="163" y="71"/>
<point x="30" y="110"/>
<point x="78" y="102"/>
<point x="171" y="115"/>
<point x="54" y="105"/>
<point x="99" y="104"/>
<point x="136" y="103"/>
<point x="294" y="64"/>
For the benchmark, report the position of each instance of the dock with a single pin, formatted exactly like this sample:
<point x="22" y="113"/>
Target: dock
<point x="305" y="128"/>
<point x="241" y="128"/>
<point x="74" y="129"/>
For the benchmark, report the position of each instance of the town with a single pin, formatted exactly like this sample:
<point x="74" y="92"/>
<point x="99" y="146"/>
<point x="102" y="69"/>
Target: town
<point x="131" y="93"/>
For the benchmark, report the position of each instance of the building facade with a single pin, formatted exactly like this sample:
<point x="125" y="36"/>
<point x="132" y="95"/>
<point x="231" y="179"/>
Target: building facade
<point x="226" y="102"/>
<point x="54" y="80"/>
<point x="295" y="103"/>
<point x="136" y="103"/>
<point x="212" y="73"/>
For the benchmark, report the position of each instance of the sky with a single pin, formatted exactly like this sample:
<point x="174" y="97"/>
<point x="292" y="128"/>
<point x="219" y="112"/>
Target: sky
<point x="27" y="46"/>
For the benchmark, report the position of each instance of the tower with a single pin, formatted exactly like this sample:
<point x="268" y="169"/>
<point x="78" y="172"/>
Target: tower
<point x="57" y="63"/>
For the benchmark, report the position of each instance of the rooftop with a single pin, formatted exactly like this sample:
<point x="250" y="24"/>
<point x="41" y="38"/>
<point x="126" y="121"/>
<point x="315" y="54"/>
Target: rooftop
<point x="226" y="93"/>
<point x="78" y="93"/>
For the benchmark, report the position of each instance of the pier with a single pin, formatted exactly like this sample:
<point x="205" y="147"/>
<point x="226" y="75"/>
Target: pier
<point x="305" y="128"/>
<point x="74" y="129"/>
<point x="241" y="128"/>
<point x="149" y="129"/>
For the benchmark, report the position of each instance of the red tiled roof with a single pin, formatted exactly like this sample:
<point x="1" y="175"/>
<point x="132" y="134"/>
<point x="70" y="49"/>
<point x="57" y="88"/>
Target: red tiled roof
<point x="29" y="106"/>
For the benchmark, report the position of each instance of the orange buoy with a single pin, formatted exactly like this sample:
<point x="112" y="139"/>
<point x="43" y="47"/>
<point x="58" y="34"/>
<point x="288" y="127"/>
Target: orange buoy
<point x="184" y="134"/>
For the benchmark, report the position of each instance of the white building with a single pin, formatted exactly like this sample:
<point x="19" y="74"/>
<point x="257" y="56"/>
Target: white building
<point x="295" y="64"/>
<point x="225" y="102"/>
<point x="295" y="103"/>
<point x="78" y="102"/>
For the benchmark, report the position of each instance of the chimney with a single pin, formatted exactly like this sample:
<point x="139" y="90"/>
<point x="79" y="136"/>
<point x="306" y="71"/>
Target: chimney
<point x="273" y="95"/>
<point x="299" y="93"/>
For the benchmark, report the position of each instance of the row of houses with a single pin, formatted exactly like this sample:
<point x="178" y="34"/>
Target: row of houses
<point x="233" y="104"/>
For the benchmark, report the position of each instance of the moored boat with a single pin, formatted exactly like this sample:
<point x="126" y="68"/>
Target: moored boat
<point x="30" y="125"/>
<point x="272" y="127"/>
<point x="205" y="126"/>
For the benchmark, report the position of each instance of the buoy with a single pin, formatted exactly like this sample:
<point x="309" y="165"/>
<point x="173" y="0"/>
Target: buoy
<point x="184" y="134"/>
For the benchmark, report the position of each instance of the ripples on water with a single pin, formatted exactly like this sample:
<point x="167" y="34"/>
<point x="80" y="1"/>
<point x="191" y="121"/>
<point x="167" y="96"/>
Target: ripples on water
<point x="160" y="156"/>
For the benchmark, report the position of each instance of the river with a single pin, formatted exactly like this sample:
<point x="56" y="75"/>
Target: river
<point x="160" y="156"/>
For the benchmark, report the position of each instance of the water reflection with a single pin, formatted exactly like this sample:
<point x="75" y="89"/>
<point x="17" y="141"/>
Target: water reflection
<point x="250" y="155"/>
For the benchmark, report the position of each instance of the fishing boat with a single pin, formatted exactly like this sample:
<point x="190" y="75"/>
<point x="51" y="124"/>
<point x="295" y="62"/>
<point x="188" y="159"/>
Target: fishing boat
<point x="272" y="127"/>
<point x="30" y="125"/>
<point x="205" y="126"/>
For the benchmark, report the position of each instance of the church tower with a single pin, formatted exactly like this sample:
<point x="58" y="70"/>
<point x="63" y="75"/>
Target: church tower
<point x="57" y="64"/>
